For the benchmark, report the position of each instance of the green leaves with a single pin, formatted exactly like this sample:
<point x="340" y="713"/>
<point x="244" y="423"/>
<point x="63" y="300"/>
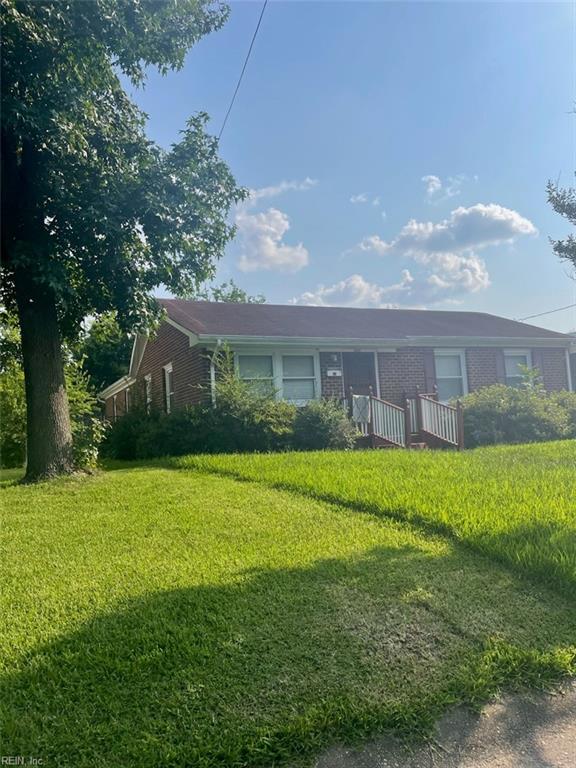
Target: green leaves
<point x="564" y="202"/>
<point x="90" y="205"/>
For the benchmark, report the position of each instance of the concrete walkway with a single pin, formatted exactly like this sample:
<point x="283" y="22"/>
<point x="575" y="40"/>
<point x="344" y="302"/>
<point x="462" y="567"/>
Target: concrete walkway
<point x="534" y="730"/>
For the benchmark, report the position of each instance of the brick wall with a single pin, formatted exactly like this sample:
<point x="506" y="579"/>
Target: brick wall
<point x="190" y="371"/>
<point x="120" y="404"/>
<point x="552" y="364"/>
<point x="401" y="372"/>
<point x="483" y="367"/>
<point x="190" y="368"/>
<point x="332" y="386"/>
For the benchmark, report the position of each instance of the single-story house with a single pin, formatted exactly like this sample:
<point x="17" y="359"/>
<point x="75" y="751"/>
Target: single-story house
<point x="305" y="352"/>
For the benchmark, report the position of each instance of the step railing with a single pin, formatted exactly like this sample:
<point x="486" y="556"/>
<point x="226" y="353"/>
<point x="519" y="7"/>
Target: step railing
<point x="376" y="418"/>
<point x="444" y="422"/>
<point x="422" y="417"/>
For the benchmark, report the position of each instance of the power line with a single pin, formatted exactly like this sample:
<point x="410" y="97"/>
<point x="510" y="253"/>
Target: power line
<point x="243" y="70"/>
<point x="550" y="312"/>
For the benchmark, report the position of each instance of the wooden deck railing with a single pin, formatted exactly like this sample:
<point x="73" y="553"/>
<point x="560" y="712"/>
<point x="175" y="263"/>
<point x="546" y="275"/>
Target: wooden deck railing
<point x="377" y="418"/>
<point x="421" y="416"/>
<point x="444" y="422"/>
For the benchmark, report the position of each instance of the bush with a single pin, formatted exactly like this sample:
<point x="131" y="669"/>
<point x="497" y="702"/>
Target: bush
<point x="12" y="417"/>
<point x="87" y="428"/>
<point x="567" y="401"/>
<point x="243" y="419"/>
<point x="323" y="424"/>
<point x="501" y="414"/>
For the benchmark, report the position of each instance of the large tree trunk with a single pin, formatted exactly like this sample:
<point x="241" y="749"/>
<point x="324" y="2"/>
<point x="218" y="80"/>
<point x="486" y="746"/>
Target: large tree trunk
<point x="49" y="437"/>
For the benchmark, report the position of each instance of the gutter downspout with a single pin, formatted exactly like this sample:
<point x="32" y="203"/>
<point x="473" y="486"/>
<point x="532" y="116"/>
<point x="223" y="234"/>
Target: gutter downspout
<point x="213" y="372"/>
<point x="569" y="372"/>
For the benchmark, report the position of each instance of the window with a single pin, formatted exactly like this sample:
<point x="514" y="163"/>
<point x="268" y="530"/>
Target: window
<point x="257" y="370"/>
<point x="148" y="392"/>
<point x="298" y="378"/>
<point x="126" y="400"/>
<point x="514" y="361"/>
<point x="114" y="408"/>
<point x="168" y="388"/>
<point x="450" y="374"/>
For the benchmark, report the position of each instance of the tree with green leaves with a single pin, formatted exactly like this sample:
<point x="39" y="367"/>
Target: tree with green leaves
<point x="563" y="200"/>
<point x="228" y="292"/>
<point x="104" y="350"/>
<point x="94" y="214"/>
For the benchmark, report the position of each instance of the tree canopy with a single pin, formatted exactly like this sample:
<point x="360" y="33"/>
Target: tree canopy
<point x="95" y="215"/>
<point x="110" y="215"/>
<point x="563" y="200"/>
<point x="228" y="292"/>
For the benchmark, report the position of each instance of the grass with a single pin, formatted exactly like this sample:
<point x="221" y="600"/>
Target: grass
<point x="516" y="504"/>
<point x="156" y="617"/>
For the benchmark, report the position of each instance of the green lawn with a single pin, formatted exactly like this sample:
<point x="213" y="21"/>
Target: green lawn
<point x="164" y="617"/>
<point x="514" y="503"/>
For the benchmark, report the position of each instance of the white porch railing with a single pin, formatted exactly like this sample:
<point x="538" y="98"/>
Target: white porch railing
<point x="441" y="420"/>
<point x="412" y="406"/>
<point x="377" y="418"/>
<point x="422" y="415"/>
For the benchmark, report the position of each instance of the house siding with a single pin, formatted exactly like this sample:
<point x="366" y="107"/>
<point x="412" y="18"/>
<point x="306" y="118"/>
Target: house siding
<point x="120" y="404"/>
<point x="552" y="364"/>
<point x="401" y="373"/>
<point x="331" y="386"/>
<point x="190" y="372"/>
<point x="190" y="368"/>
<point x="483" y="367"/>
<point x="404" y="371"/>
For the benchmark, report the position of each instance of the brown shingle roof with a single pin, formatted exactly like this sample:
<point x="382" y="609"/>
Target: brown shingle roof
<point x="289" y="321"/>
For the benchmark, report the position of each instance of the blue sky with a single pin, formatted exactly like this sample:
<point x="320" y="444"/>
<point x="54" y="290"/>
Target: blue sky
<point x="399" y="152"/>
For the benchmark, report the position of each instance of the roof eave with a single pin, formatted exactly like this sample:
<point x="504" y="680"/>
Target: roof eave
<point x="115" y="387"/>
<point x="409" y="341"/>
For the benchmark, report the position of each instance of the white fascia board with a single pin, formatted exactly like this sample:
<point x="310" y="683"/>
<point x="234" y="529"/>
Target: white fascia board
<point x="140" y="341"/>
<point x="333" y="344"/>
<point x="300" y="341"/>
<point x="192" y="337"/>
<point x="117" y="386"/>
<point x="484" y="341"/>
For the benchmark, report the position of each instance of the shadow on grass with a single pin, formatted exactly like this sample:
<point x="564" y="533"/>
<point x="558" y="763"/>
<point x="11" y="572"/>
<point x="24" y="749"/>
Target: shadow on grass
<point x="279" y="663"/>
<point x="540" y="552"/>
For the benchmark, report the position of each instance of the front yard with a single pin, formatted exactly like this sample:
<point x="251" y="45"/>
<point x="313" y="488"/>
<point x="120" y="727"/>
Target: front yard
<point x="168" y="615"/>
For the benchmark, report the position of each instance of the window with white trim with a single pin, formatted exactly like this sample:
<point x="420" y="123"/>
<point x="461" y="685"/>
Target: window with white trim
<point x="126" y="400"/>
<point x="114" y="408"/>
<point x="258" y="371"/>
<point x="450" y="374"/>
<point x="168" y="388"/>
<point x="298" y="378"/>
<point x="514" y="362"/>
<point x="148" y="391"/>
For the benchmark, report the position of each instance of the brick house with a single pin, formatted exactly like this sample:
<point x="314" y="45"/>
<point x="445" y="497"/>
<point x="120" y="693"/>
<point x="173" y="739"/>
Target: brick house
<point x="304" y="352"/>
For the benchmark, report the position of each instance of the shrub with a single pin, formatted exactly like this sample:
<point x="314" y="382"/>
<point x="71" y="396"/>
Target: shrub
<point x="323" y="424"/>
<point x="243" y="419"/>
<point x="12" y="417"/>
<point x="567" y="401"/>
<point x="87" y="428"/>
<point x="501" y="414"/>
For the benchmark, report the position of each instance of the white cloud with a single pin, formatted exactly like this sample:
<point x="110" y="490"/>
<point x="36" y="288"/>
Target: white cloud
<point x="261" y="234"/>
<point x="433" y="185"/>
<point x="465" y="229"/>
<point x="438" y="191"/>
<point x="355" y="291"/>
<point x="265" y="193"/>
<point x="446" y="252"/>
<point x="363" y="198"/>
<point x="261" y="237"/>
